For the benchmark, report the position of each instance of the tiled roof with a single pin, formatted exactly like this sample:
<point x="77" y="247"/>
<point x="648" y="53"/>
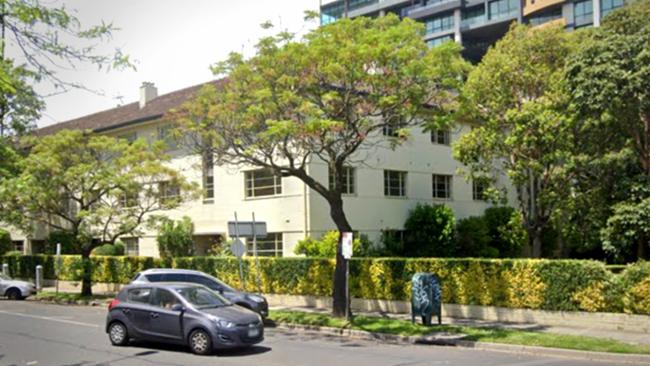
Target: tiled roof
<point x="127" y="114"/>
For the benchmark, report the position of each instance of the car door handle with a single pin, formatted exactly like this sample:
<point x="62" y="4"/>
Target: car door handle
<point x="153" y="315"/>
<point x="126" y="311"/>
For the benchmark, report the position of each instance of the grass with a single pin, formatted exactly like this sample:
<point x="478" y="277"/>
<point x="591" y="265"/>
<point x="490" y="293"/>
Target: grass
<point x="494" y="335"/>
<point x="69" y="297"/>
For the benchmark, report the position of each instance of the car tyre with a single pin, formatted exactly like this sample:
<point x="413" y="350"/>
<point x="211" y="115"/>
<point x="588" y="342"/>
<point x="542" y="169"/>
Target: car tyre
<point x="200" y="342"/>
<point x="118" y="334"/>
<point x="14" y="294"/>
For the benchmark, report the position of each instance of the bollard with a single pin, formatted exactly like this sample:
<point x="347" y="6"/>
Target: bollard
<point x="5" y="269"/>
<point x="39" y="277"/>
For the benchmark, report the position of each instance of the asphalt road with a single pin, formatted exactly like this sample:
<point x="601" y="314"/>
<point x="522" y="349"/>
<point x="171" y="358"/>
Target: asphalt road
<point x="40" y="334"/>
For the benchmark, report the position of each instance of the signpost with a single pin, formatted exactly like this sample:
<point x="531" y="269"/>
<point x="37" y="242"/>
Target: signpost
<point x="58" y="265"/>
<point x="346" y="250"/>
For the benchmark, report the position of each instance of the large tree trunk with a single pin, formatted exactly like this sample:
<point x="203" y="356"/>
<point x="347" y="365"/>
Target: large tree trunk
<point x="86" y="283"/>
<point x="342" y="224"/>
<point x="641" y="250"/>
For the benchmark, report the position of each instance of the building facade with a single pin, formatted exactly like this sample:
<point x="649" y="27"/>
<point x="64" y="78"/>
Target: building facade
<point x="476" y="24"/>
<point x="378" y="196"/>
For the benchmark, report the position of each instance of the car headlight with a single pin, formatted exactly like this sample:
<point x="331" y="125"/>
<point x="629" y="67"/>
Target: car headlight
<point x="256" y="298"/>
<point x="225" y="324"/>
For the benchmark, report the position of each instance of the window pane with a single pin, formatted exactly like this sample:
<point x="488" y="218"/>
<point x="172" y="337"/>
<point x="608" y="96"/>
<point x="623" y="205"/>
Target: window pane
<point x="441" y="186"/>
<point x="271" y="246"/>
<point x="139" y="295"/>
<point x="262" y="182"/>
<point x="394" y="183"/>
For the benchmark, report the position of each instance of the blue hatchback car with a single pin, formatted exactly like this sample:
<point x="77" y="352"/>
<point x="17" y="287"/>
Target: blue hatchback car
<point x="181" y="313"/>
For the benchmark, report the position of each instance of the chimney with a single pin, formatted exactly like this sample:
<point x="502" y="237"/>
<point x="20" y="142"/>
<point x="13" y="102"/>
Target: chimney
<point x="147" y="92"/>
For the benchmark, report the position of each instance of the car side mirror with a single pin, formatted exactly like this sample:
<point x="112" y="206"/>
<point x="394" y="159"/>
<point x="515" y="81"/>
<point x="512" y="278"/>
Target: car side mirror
<point x="177" y="307"/>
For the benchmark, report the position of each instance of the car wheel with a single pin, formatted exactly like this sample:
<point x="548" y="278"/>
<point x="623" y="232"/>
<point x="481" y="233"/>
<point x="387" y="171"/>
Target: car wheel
<point x="117" y="334"/>
<point x="200" y="342"/>
<point x="14" y="294"/>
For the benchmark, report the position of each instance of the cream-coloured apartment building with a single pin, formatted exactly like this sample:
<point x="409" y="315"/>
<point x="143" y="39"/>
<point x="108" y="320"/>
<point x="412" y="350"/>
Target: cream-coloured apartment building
<point x="380" y="192"/>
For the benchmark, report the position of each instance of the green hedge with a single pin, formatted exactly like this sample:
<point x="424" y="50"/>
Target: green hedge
<point x="516" y="283"/>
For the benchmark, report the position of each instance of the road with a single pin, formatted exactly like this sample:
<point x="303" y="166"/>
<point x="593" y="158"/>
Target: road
<point x="40" y="334"/>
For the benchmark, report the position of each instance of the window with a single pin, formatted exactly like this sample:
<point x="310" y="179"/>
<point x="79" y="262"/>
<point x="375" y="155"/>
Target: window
<point x="478" y="190"/>
<point x="503" y="8"/>
<point x="168" y="191"/>
<point x="132" y="246"/>
<point x="391" y="131"/>
<point x="165" y="134"/>
<point x="128" y="199"/>
<point x="129" y="137"/>
<point x="440" y="40"/>
<point x="262" y="182"/>
<point x="19" y="245"/>
<point x="583" y="13"/>
<point x="271" y="246"/>
<point x="439" y="23"/>
<point x="441" y="137"/>
<point x="208" y="178"/>
<point x="393" y="236"/>
<point x="139" y="295"/>
<point x="474" y="15"/>
<point x="607" y="6"/>
<point x="546" y="16"/>
<point x="348" y="180"/>
<point x="441" y="186"/>
<point x="164" y="299"/>
<point x="394" y="183"/>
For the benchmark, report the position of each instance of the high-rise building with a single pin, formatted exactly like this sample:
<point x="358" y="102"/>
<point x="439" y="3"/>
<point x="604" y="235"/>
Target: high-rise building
<point x="476" y="24"/>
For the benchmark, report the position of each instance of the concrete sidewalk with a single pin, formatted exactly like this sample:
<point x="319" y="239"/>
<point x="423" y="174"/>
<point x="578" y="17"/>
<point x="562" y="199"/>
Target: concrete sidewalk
<point x="622" y="336"/>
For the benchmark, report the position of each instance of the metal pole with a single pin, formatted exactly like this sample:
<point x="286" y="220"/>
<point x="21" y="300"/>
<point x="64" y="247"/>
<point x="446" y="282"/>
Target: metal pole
<point x="241" y="262"/>
<point x="348" y="313"/>
<point x="39" y="277"/>
<point x="257" y="261"/>
<point x="58" y="265"/>
<point x="5" y="269"/>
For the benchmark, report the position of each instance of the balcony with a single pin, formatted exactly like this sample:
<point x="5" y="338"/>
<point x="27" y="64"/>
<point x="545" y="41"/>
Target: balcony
<point x="532" y="6"/>
<point x="418" y="11"/>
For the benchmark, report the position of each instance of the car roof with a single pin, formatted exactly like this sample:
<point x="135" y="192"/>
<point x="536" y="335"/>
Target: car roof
<point x="167" y="285"/>
<point x="171" y="270"/>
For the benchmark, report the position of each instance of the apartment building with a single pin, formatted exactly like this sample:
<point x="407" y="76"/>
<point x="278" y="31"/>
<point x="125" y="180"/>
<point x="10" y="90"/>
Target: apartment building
<point x="379" y="193"/>
<point x="476" y="24"/>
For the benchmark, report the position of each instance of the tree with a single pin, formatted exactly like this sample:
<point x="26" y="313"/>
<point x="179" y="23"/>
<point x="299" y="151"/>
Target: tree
<point x="5" y="242"/>
<point x="609" y="80"/>
<point x="98" y="188"/>
<point x="516" y="102"/>
<point x="176" y="238"/>
<point x="325" y="98"/>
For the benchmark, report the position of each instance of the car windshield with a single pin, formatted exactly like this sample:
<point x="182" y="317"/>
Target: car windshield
<point x="225" y="287"/>
<point x="202" y="297"/>
<point x="4" y="277"/>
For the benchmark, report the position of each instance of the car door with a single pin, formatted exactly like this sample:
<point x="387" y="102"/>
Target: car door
<point x="165" y="323"/>
<point x="139" y="309"/>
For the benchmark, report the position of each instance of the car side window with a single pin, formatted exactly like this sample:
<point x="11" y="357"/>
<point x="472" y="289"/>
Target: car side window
<point x="163" y="299"/>
<point x="139" y="295"/>
<point x="174" y="277"/>
<point x="154" y="277"/>
<point x="205" y="282"/>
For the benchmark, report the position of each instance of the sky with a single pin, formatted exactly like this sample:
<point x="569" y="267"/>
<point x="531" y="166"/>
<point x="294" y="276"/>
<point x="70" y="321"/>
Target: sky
<point x="172" y="43"/>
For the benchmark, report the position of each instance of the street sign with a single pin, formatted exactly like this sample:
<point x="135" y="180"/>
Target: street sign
<point x="346" y="243"/>
<point x="245" y="229"/>
<point x="238" y="248"/>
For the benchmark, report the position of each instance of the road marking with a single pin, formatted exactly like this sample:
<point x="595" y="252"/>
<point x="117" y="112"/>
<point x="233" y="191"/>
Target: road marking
<point x="50" y="319"/>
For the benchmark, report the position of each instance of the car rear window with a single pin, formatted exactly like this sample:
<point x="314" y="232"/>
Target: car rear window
<point x="154" y="277"/>
<point x="139" y="295"/>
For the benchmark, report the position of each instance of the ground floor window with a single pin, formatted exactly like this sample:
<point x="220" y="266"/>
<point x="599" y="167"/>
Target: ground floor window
<point x="271" y="246"/>
<point x="19" y="245"/>
<point x="131" y="246"/>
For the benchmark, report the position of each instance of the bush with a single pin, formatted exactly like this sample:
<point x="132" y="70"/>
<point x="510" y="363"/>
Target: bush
<point x="69" y="243"/>
<point x="14" y="253"/>
<point x="506" y="229"/>
<point x="430" y="232"/>
<point x="474" y="238"/>
<point x="325" y="247"/>
<point x="5" y="242"/>
<point x="515" y="283"/>
<point x="110" y="249"/>
<point x="176" y="238"/>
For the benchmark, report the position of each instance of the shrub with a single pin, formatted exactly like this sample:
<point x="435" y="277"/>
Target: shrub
<point x="325" y="247"/>
<point x="176" y="238"/>
<point x="5" y="242"/>
<point x="14" y="253"/>
<point x="506" y="230"/>
<point x="429" y="232"/>
<point x="69" y="243"/>
<point x="110" y="249"/>
<point x="474" y="239"/>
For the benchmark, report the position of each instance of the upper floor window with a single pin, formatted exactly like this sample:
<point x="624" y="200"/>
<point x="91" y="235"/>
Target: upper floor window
<point x="208" y="178"/>
<point x="607" y="6"/>
<point x="394" y="183"/>
<point x="128" y="199"/>
<point x="262" y="182"/>
<point x="441" y="186"/>
<point x="583" y="13"/>
<point x="441" y="137"/>
<point x="478" y="190"/>
<point x="132" y="246"/>
<point x="439" y="40"/>
<point x="439" y="23"/>
<point x="503" y="8"/>
<point x="348" y="180"/>
<point x="473" y="15"/>
<point x="165" y="134"/>
<point x="168" y="191"/>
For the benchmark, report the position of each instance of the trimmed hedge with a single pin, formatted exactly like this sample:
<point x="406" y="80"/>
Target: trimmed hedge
<point x="515" y="283"/>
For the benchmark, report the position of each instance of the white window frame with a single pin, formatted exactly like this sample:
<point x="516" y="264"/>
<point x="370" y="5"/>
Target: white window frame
<point x="276" y="239"/>
<point x="448" y="182"/>
<point x="402" y="177"/>
<point x="437" y="134"/>
<point x="349" y="180"/>
<point x="250" y="186"/>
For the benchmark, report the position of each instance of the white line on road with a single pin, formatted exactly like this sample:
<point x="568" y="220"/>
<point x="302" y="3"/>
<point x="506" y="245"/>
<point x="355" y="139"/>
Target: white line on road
<point x="50" y="319"/>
